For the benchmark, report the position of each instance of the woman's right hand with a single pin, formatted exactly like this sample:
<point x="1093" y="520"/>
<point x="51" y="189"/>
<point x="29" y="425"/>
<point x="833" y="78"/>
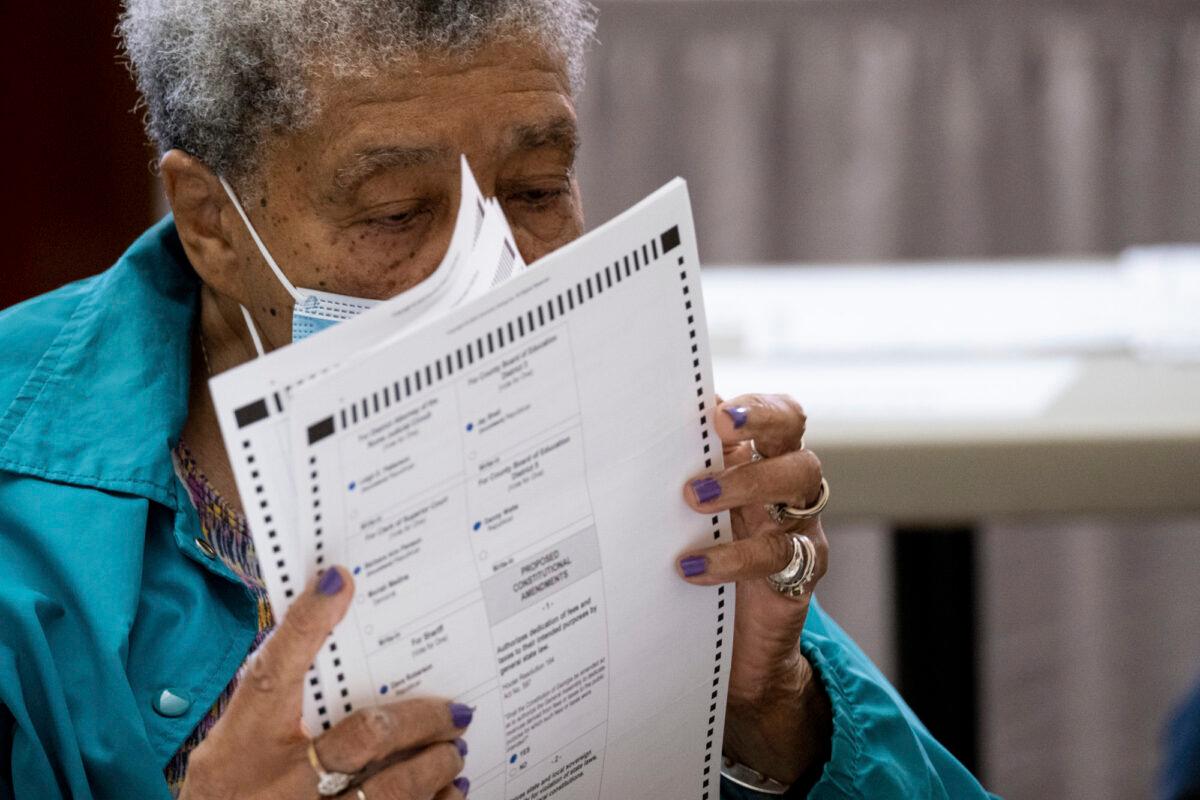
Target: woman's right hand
<point x="410" y="750"/>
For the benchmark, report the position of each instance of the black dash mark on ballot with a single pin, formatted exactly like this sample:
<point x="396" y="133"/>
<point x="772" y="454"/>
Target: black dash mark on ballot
<point x="278" y="403"/>
<point x="654" y="248"/>
<point x="407" y="386"/>
<point x="438" y="365"/>
<point x="252" y="413"/>
<point x="354" y="415"/>
<point x="429" y="375"/>
<point x="670" y="239"/>
<point x="541" y="317"/>
<point x="628" y="274"/>
<point x="589" y="287"/>
<point x="321" y="430"/>
<point x="375" y="402"/>
<point x="459" y="357"/>
<point x="645" y="255"/>
<point x="637" y="264"/>
<point x="520" y="326"/>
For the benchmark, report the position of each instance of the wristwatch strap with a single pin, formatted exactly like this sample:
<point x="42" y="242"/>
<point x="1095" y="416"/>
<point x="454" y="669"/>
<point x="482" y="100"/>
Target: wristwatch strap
<point x="749" y="778"/>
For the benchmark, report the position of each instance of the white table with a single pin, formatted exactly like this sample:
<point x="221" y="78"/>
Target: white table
<point x="948" y="393"/>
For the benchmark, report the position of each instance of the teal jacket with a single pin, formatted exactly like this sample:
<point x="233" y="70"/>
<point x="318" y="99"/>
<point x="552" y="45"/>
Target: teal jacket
<point x="107" y="602"/>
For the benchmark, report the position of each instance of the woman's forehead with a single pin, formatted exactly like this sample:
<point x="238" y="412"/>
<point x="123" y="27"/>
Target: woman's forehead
<point x="417" y="115"/>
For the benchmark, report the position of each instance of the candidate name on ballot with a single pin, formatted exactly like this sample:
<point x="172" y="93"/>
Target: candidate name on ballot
<point x="504" y="485"/>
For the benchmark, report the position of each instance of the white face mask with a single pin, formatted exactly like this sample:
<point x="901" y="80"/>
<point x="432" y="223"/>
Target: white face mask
<point x="313" y="310"/>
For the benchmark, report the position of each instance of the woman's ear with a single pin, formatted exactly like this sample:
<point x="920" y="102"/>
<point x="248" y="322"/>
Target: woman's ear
<point x="203" y="217"/>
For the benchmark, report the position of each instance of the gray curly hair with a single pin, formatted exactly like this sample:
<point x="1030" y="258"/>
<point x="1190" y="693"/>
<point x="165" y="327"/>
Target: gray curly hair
<point x="217" y="76"/>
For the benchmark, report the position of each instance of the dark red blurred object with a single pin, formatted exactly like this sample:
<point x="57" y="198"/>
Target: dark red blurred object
<point x="78" y="186"/>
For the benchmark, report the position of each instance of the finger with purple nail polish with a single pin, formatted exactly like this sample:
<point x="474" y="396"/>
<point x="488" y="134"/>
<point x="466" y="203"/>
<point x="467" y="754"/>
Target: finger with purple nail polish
<point x="706" y="489"/>
<point x="691" y="566"/>
<point x="738" y="414"/>
<point x="331" y="582"/>
<point x="461" y="715"/>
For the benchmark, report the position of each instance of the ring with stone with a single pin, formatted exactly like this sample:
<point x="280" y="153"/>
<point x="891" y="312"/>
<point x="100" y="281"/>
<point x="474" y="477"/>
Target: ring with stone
<point x="782" y="513"/>
<point x="329" y="784"/>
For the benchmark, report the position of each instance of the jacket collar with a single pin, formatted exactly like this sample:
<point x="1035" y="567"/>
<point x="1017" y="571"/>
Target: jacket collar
<point x="106" y="402"/>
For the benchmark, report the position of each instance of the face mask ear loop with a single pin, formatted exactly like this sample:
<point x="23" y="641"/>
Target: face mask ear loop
<point x="253" y="331"/>
<point x="262" y="248"/>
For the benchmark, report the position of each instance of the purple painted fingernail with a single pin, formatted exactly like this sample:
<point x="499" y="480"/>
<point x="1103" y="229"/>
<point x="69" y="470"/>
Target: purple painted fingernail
<point x="331" y="582"/>
<point x="706" y="489"/>
<point x="738" y="414"/>
<point x="461" y="715"/>
<point x="693" y="566"/>
<point x="461" y="744"/>
<point x="463" y="785"/>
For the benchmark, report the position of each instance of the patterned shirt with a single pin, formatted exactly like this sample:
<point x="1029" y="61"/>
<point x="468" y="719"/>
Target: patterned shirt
<point x="225" y="530"/>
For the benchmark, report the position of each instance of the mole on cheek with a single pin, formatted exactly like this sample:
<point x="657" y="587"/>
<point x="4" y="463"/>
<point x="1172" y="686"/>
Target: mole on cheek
<point x="263" y="202"/>
<point x="322" y="284"/>
<point x="274" y="313"/>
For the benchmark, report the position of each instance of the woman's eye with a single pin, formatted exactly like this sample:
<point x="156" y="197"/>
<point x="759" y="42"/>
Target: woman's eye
<point x="399" y="220"/>
<point x="538" y="197"/>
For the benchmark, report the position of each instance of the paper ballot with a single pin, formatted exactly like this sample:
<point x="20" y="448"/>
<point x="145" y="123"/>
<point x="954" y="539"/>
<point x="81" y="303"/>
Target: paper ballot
<point x="504" y="481"/>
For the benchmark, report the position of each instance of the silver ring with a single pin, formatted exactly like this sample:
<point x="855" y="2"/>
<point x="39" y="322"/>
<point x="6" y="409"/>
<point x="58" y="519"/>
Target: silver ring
<point x="792" y="579"/>
<point x="329" y="784"/>
<point x="782" y="513"/>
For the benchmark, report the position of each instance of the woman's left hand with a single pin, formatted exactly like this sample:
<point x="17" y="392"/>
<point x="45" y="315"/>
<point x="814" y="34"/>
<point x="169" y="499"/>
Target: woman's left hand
<point x="778" y="717"/>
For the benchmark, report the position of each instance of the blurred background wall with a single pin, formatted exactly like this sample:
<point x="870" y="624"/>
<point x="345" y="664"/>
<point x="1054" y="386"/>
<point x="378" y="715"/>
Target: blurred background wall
<point x="830" y="131"/>
<point x="840" y="130"/>
<point x="80" y="188"/>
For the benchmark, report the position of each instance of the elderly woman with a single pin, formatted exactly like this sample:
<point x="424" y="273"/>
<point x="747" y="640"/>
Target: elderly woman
<point x="132" y="597"/>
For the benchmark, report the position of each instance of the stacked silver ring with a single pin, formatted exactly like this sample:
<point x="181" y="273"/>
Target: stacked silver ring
<point x="792" y="579"/>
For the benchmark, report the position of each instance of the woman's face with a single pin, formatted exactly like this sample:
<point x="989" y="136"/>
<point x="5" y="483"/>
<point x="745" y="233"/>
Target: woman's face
<point x="363" y="202"/>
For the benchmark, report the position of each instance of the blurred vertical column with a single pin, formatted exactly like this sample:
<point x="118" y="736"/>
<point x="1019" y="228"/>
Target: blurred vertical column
<point x="78" y="183"/>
